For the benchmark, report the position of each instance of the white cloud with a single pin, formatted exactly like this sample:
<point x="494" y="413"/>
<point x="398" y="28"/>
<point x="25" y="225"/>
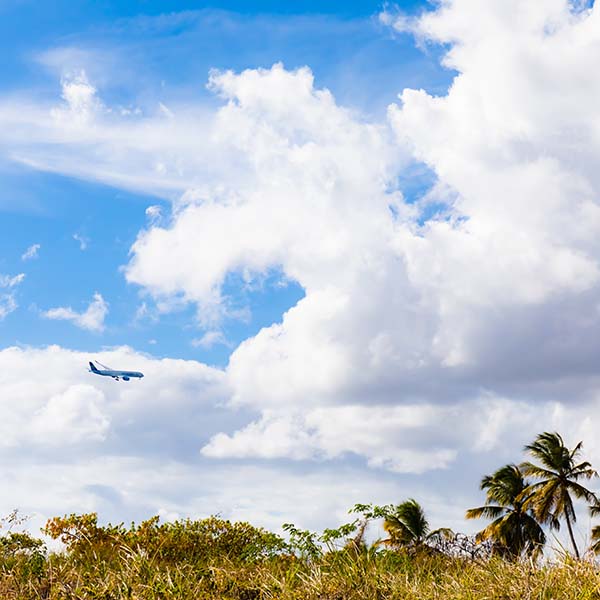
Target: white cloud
<point x="80" y="99"/>
<point x="31" y="252"/>
<point x="154" y="213"/>
<point x="8" y="301"/>
<point x="422" y="342"/>
<point x="6" y="281"/>
<point x="8" y="304"/>
<point x="210" y="339"/>
<point x="130" y="449"/>
<point x="91" y="319"/>
<point x="165" y="110"/>
<point x="324" y="159"/>
<point x="60" y="403"/>
<point x="73" y="416"/>
<point x="86" y="440"/>
<point x="398" y="312"/>
<point x="414" y="438"/>
<point x="83" y="241"/>
<point x="386" y="435"/>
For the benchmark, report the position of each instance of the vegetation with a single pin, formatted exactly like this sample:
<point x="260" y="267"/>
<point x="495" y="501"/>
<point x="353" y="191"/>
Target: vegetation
<point x="215" y="558"/>
<point x="407" y="527"/>
<point x="559" y="473"/>
<point x="514" y="531"/>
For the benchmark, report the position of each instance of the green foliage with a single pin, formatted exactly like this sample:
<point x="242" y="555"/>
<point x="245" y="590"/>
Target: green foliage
<point x="370" y="511"/>
<point x="558" y="473"/>
<point x="514" y="530"/>
<point x="335" y="575"/>
<point x="303" y="542"/>
<point x="406" y="526"/>
<point x="196" y="542"/>
<point x="331" y="536"/>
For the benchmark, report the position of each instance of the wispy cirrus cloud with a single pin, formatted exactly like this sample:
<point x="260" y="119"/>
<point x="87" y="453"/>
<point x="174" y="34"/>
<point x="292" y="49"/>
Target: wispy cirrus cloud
<point x="82" y="241"/>
<point x="210" y="339"/>
<point x="31" y="252"/>
<point x="8" y="301"/>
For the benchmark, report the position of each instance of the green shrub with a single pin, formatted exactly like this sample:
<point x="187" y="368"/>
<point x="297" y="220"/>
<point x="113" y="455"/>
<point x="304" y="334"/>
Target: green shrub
<point x="194" y="542"/>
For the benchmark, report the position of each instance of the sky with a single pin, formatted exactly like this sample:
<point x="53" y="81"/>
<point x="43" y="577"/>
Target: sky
<point x="353" y="247"/>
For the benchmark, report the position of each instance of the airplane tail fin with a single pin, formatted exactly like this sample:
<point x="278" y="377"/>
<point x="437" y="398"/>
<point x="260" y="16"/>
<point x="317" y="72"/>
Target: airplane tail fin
<point x="93" y="367"/>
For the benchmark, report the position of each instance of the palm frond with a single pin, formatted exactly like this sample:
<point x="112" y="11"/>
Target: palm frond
<point x="582" y="492"/>
<point x="487" y="512"/>
<point x="513" y="531"/>
<point x="595" y="545"/>
<point x="406" y="523"/>
<point x="550" y="498"/>
<point x="595" y="509"/>
<point x="444" y="533"/>
<point x="532" y="470"/>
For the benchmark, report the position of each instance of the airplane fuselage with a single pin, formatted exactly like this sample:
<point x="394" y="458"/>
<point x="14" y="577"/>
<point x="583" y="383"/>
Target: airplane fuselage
<point x="124" y="375"/>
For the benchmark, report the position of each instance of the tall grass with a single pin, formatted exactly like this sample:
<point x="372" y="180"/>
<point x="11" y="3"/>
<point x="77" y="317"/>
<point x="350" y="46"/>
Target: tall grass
<point x="216" y="559"/>
<point x="337" y="576"/>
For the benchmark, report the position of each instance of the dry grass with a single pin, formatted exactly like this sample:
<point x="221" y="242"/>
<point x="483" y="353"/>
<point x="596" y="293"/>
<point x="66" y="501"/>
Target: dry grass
<point x="341" y="575"/>
<point x="216" y="559"/>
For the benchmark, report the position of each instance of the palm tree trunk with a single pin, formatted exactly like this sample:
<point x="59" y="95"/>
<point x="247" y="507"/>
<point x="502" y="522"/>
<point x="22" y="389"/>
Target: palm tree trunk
<point x="571" y="535"/>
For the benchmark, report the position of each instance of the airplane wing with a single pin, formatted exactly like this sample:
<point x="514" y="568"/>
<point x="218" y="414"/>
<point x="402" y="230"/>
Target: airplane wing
<point x="104" y="366"/>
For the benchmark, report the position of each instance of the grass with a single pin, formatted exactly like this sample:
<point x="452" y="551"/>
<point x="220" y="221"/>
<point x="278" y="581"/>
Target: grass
<point x="216" y="559"/>
<point x="337" y="576"/>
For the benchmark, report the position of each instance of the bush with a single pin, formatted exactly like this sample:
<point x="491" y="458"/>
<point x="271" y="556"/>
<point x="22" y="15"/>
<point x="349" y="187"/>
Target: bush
<point x="194" y="542"/>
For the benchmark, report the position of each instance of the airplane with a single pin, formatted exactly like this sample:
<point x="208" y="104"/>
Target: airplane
<point x="116" y="375"/>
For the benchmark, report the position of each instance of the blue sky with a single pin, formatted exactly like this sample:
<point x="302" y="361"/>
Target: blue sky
<point x="141" y="53"/>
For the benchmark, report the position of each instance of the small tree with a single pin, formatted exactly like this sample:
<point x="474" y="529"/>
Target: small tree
<point x="407" y="526"/>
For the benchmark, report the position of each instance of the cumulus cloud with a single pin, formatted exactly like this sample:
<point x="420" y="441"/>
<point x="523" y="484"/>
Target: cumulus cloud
<point x="130" y="449"/>
<point x="325" y="161"/>
<point x="91" y="319"/>
<point x="61" y="403"/>
<point x="72" y="433"/>
<point x="72" y="416"/>
<point x="387" y="436"/>
<point x="426" y="339"/>
<point x="498" y="291"/>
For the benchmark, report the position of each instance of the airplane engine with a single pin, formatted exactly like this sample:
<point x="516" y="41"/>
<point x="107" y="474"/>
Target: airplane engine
<point x="125" y="378"/>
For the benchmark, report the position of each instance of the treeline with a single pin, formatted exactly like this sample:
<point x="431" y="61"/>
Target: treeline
<point x="216" y="558"/>
<point x="522" y="502"/>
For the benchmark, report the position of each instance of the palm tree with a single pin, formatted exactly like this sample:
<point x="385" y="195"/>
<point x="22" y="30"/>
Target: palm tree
<point x="595" y="545"/>
<point x="407" y="526"/>
<point x="514" y="529"/>
<point x="559" y="472"/>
